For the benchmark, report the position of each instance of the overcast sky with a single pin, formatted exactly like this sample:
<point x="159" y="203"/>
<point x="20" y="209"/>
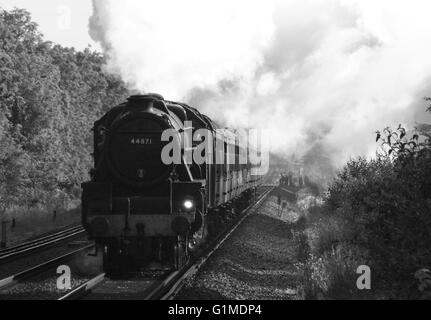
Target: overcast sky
<point x="61" y="21"/>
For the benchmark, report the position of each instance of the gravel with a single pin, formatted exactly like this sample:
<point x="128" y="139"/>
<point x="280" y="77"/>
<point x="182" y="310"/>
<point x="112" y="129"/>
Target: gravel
<point x="43" y="286"/>
<point x="41" y="289"/>
<point x="258" y="262"/>
<point x="132" y="289"/>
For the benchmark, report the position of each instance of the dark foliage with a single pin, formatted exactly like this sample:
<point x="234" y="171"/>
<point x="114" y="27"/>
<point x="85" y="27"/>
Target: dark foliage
<point x="378" y="213"/>
<point x="49" y="98"/>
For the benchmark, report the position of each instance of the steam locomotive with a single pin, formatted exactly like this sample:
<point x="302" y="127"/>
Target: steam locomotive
<point x="142" y="211"/>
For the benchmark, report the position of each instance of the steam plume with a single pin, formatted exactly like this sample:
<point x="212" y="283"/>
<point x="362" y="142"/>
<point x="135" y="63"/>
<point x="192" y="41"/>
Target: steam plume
<point x="318" y="74"/>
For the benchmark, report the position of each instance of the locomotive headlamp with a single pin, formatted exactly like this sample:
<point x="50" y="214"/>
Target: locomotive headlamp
<point x="188" y="204"/>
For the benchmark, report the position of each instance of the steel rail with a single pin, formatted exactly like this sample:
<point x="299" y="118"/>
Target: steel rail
<point x="36" y="245"/>
<point x="84" y="289"/>
<point x="34" y="271"/>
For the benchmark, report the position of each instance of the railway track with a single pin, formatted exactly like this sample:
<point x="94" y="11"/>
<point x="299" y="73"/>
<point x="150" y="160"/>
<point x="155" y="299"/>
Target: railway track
<point x="166" y="287"/>
<point x="84" y="289"/>
<point x="34" y="246"/>
<point x="38" y="282"/>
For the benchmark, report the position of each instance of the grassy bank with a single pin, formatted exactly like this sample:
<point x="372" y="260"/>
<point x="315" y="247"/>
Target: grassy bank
<point x="30" y="223"/>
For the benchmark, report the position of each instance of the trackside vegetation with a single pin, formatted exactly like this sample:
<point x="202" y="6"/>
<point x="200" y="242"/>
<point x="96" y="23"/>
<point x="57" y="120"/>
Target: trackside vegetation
<point x="49" y="98"/>
<point x="376" y="213"/>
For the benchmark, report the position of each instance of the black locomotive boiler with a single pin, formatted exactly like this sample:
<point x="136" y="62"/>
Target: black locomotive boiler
<point x="142" y="212"/>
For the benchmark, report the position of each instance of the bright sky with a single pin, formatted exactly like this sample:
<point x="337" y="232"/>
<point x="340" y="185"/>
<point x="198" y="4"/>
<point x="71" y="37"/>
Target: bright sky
<point x="61" y="21"/>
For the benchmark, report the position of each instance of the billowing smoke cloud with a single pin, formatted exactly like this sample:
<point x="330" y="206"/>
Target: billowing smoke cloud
<point x="315" y="73"/>
<point x="173" y="46"/>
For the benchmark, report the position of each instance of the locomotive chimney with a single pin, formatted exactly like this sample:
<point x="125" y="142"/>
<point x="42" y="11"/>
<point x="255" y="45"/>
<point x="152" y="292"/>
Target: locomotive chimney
<point x="142" y="98"/>
<point x="147" y="101"/>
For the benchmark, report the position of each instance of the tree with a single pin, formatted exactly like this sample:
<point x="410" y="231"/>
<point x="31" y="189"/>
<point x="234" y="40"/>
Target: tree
<point x="49" y="98"/>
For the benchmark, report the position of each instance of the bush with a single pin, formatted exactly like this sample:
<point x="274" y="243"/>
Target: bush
<point x="378" y="213"/>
